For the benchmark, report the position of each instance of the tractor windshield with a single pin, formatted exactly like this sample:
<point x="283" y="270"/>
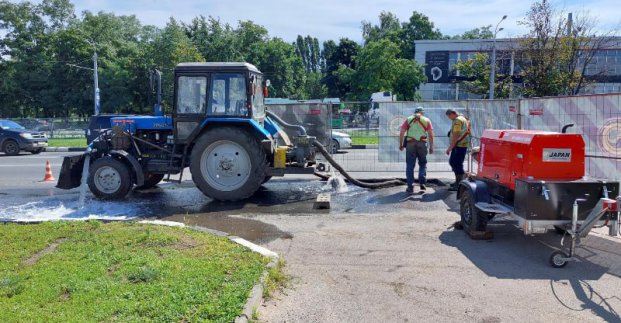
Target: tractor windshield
<point x="228" y="95"/>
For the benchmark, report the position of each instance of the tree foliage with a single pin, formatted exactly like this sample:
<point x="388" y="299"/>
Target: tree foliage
<point x="477" y="72"/>
<point x="46" y="52"/>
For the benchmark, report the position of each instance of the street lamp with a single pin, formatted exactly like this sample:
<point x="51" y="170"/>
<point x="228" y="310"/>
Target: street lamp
<point x="95" y="76"/>
<point x="492" y="77"/>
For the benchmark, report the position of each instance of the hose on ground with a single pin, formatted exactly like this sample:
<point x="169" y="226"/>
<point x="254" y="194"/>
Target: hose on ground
<point x="363" y="184"/>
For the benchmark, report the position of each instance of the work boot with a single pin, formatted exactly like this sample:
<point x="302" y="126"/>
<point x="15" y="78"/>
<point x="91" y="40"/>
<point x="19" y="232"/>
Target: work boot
<point x="409" y="190"/>
<point x="454" y="187"/>
<point x="423" y="187"/>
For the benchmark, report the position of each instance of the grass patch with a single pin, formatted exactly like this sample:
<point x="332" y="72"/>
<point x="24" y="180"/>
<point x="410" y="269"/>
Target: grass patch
<point x="68" y="142"/>
<point x="363" y="137"/>
<point x="122" y="272"/>
<point x="276" y="279"/>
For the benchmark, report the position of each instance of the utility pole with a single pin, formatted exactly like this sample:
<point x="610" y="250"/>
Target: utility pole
<point x="492" y="78"/>
<point x="96" y="81"/>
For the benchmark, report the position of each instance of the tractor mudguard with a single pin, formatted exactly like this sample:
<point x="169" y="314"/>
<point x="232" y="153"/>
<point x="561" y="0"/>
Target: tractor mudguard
<point x="478" y="190"/>
<point x="134" y="162"/>
<point x="71" y="172"/>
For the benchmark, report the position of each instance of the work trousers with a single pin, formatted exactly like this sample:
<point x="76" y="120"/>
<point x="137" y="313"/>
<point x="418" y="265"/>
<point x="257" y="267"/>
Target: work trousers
<point x="416" y="150"/>
<point x="458" y="154"/>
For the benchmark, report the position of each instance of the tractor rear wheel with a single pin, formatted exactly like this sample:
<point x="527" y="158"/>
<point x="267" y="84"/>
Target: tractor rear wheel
<point x="228" y="164"/>
<point x="109" y="178"/>
<point x="472" y="219"/>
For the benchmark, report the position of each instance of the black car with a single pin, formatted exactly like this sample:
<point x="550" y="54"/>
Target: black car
<point x="14" y="138"/>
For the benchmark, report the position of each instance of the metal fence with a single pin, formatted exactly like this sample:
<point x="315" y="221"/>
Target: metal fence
<point x="374" y="127"/>
<point x="61" y="128"/>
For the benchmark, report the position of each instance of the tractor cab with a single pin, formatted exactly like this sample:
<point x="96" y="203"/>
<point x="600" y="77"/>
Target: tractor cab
<point x="213" y="92"/>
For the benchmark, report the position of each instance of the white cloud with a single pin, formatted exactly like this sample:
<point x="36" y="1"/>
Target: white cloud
<point x="330" y="19"/>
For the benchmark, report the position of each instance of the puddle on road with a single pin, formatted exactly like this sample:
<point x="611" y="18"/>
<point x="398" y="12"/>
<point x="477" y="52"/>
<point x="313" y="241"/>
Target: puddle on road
<point x="67" y="208"/>
<point x="249" y="229"/>
<point x="185" y="203"/>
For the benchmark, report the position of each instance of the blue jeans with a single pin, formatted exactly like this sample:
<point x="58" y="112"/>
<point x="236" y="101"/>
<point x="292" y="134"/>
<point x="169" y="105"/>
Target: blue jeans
<point x="458" y="154"/>
<point x="416" y="150"/>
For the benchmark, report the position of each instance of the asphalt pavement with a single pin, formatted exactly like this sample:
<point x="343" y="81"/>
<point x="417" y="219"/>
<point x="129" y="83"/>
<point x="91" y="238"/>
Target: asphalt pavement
<point x="377" y="255"/>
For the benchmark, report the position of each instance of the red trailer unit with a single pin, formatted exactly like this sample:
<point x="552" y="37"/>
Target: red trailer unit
<point x="507" y="155"/>
<point x="537" y="177"/>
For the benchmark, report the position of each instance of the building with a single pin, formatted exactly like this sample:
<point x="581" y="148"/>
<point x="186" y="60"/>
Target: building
<point x="443" y="81"/>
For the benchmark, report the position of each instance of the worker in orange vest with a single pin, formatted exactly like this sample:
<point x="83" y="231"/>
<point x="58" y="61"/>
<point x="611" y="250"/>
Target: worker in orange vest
<point x="416" y="132"/>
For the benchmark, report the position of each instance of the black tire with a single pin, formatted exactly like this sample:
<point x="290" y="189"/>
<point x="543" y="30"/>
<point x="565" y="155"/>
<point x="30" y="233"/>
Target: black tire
<point x="253" y="170"/>
<point x="472" y="219"/>
<point x="555" y="260"/>
<point x="10" y="147"/>
<point x="334" y="146"/>
<point x="267" y="178"/>
<point x="122" y="179"/>
<point x="559" y="230"/>
<point x="150" y="180"/>
<point x="36" y="151"/>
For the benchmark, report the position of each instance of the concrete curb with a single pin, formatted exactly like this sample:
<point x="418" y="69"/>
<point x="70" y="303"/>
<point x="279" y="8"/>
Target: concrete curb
<point x="64" y="149"/>
<point x="255" y="298"/>
<point x="371" y="146"/>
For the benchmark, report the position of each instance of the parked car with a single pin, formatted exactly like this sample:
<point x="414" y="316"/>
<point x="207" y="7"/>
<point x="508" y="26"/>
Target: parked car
<point x="340" y="140"/>
<point x="15" y="138"/>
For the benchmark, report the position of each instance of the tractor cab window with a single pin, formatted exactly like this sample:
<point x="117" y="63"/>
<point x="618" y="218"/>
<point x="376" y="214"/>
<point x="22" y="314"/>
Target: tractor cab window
<point x="258" y="105"/>
<point x="191" y="96"/>
<point x="228" y="95"/>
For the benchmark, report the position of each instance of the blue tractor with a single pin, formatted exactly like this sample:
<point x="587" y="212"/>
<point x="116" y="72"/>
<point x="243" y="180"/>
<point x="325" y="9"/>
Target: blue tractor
<point x="219" y="128"/>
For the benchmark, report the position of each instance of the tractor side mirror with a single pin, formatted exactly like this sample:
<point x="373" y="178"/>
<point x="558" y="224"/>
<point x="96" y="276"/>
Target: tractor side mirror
<point x="265" y="91"/>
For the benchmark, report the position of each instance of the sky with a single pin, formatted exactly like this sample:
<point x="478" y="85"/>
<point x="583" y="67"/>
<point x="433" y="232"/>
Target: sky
<point x="333" y="19"/>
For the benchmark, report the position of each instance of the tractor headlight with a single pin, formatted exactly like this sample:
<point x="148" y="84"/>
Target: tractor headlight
<point x="26" y="135"/>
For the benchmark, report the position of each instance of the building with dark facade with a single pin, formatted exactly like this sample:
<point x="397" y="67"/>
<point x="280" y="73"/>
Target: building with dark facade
<point x="443" y="81"/>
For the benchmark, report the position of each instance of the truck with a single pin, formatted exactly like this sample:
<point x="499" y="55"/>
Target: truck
<point x="219" y="129"/>
<point x="538" y="179"/>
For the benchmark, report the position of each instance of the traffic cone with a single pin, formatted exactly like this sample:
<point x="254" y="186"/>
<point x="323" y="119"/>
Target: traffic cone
<point x="48" y="173"/>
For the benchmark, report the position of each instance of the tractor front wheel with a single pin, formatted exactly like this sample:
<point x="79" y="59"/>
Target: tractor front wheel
<point x="109" y="178"/>
<point x="228" y="164"/>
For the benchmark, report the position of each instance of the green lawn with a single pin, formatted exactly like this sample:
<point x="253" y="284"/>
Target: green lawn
<point x="121" y="272"/>
<point x="363" y="137"/>
<point x="69" y="142"/>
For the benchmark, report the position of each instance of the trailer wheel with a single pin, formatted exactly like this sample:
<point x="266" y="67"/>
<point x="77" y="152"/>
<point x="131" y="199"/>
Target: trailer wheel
<point x="556" y="259"/>
<point x="228" y="164"/>
<point x="150" y="180"/>
<point x="472" y="219"/>
<point x="109" y="178"/>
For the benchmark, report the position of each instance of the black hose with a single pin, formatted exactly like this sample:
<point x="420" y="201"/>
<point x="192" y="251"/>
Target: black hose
<point x="286" y="125"/>
<point x="363" y="184"/>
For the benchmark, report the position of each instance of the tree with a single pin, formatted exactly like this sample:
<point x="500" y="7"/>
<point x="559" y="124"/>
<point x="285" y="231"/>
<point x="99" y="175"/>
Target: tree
<point x="418" y="27"/>
<point x="484" y="32"/>
<point x="476" y="72"/>
<point x="341" y="56"/>
<point x="379" y="68"/>
<point x="555" y="53"/>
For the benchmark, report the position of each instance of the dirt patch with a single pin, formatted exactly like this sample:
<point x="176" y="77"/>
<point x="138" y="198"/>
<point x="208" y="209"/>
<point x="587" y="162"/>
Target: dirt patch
<point x="185" y="242"/>
<point x="47" y="250"/>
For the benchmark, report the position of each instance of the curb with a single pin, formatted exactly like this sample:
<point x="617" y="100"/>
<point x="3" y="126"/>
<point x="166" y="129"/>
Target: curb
<point x="255" y="298"/>
<point x="371" y="146"/>
<point x="64" y="149"/>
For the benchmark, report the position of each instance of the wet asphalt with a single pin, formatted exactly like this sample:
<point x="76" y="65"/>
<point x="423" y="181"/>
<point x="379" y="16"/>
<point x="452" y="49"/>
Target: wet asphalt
<point x="376" y="255"/>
